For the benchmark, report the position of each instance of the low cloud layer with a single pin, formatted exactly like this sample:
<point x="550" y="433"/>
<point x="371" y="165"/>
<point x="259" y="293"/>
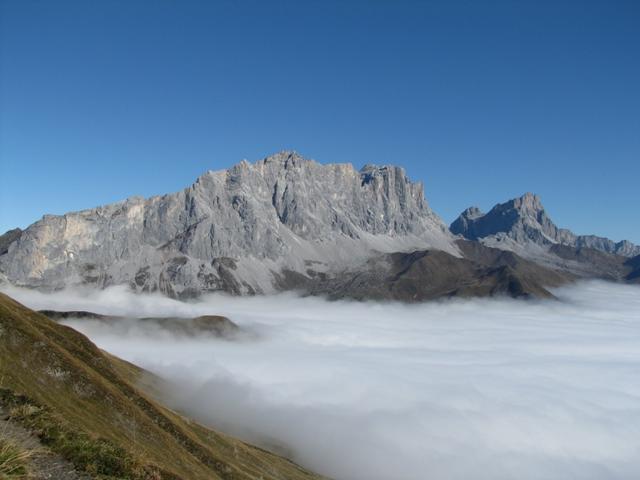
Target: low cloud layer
<point x="483" y="389"/>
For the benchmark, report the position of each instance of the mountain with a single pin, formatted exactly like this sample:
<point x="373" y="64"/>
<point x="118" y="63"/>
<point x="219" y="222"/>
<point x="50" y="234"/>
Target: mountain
<point x="430" y="274"/>
<point x="234" y="230"/>
<point x="523" y="221"/>
<point x="290" y="223"/>
<point x="90" y="408"/>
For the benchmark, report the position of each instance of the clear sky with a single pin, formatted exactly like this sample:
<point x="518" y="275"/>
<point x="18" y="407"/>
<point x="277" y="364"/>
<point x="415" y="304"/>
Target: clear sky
<point x="481" y="100"/>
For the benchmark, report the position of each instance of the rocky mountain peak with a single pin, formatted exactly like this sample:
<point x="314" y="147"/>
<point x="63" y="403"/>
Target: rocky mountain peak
<point x="287" y="159"/>
<point x="529" y="202"/>
<point x="472" y="212"/>
<point x="524" y="220"/>
<point x="522" y="217"/>
<point x="463" y="225"/>
<point x="234" y="229"/>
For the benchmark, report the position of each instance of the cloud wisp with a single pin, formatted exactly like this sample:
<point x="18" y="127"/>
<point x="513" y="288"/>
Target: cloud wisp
<point x="484" y="389"/>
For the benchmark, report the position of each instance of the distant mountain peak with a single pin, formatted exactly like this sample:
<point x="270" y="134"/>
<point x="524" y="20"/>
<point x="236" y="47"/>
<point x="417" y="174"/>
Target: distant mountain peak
<point x="472" y="213"/>
<point x="528" y="202"/>
<point x="525" y="220"/>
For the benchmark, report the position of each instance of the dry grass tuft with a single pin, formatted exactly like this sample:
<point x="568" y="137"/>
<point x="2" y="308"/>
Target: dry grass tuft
<point x="13" y="460"/>
<point x="24" y="411"/>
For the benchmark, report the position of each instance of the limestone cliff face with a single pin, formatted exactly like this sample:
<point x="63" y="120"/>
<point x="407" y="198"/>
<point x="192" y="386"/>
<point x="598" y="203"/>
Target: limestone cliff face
<point x="235" y="230"/>
<point x="524" y="220"/>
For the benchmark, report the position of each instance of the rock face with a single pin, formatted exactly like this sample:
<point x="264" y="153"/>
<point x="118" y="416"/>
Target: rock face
<point x="8" y="238"/>
<point x="235" y="230"/>
<point x="523" y="221"/>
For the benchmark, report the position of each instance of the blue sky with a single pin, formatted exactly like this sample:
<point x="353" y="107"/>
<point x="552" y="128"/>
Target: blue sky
<point x="480" y="100"/>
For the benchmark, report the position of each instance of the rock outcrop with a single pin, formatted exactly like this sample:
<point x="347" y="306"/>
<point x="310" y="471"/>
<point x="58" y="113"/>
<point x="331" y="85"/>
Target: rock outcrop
<point x="8" y="238"/>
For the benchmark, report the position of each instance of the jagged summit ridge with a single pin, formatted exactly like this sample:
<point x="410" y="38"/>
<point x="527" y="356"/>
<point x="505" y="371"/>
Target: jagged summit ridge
<point x="234" y="229"/>
<point x="524" y="220"/>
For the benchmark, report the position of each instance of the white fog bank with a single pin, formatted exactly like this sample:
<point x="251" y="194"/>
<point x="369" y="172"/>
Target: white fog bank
<point x="482" y="389"/>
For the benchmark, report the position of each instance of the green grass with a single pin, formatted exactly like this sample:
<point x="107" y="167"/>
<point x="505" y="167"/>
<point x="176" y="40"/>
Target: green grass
<point x="96" y="456"/>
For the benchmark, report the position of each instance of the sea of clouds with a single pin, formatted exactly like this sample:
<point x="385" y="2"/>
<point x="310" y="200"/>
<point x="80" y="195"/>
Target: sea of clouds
<point x="482" y="389"/>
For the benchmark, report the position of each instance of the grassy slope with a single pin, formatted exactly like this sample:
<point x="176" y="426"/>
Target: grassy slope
<point x="88" y="395"/>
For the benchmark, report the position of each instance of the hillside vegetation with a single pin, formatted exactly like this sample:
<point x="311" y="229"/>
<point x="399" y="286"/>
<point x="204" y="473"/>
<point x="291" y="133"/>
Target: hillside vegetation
<point x="83" y="404"/>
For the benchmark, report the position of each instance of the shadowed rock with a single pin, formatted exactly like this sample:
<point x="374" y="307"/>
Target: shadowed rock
<point x="634" y="265"/>
<point x="425" y="275"/>
<point x="7" y="238"/>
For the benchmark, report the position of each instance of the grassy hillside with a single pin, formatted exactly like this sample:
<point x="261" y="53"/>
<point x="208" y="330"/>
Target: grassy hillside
<point x="83" y="404"/>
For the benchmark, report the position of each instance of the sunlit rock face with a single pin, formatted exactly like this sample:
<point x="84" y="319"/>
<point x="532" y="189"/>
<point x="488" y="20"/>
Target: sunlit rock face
<point x="524" y="220"/>
<point x="235" y="230"/>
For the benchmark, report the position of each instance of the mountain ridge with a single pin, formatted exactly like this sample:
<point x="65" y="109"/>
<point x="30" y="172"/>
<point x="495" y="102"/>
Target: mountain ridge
<point x="524" y="219"/>
<point x="287" y="222"/>
<point x="231" y="230"/>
